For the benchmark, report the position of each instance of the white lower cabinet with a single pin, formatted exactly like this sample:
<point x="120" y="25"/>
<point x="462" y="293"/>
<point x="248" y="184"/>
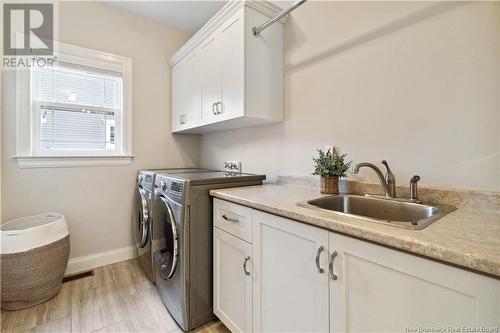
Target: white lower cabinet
<point x="307" y="279"/>
<point x="233" y="281"/>
<point x="289" y="293"/>
<point x="383" y="290"/>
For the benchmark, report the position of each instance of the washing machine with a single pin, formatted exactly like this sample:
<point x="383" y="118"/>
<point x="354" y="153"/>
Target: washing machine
<point x="142" y="218"/>
<point x="143" y="214"/>
<point x="182" y="241"/>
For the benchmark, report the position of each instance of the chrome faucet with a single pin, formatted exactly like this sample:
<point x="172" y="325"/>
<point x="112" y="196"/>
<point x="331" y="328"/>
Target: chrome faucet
<point x="388" y="181"/>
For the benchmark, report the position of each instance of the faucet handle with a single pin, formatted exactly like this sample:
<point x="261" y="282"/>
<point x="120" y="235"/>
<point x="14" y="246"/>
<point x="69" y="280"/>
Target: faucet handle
<point x="389" y="171"/>
<point x="389" y="180"/>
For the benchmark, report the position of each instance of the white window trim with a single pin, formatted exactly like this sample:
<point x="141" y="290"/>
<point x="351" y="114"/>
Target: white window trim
<point x="25" y="151"/>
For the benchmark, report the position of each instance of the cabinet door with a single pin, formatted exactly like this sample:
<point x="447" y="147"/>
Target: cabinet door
<point x="178" y="96"/>
<point x="289" y="293"/>
<point x="193" y="89"/>
<point x="233" y="281"/>
<point x="211" y="79"/>
<point x="233" y="68"/>
<point x="384" y="290"/>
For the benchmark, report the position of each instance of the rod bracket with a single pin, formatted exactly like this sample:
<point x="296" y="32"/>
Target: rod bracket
<point x="257" y="30"/>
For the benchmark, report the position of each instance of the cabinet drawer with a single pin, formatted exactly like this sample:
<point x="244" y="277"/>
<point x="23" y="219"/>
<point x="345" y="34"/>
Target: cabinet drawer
<point x="234" y="219"/>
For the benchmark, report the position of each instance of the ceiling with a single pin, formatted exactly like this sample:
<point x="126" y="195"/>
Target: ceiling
<point x="184" y="15"/>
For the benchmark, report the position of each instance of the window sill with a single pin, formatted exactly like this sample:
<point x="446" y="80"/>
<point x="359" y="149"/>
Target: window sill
<point x="34" y="161"/>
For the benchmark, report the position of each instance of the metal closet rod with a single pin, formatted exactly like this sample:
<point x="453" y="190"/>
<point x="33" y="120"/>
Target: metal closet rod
<point x="257" y="30"/>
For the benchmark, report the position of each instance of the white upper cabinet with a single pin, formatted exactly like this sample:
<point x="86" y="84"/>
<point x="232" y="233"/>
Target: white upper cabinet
<point x="230" y="78"/>
<point x="193" y="89"/>
<point x="211" y="81"/>
<point x="186" y="92"/>
<point x="232" y="69"/>
<point x="178" y="96"/>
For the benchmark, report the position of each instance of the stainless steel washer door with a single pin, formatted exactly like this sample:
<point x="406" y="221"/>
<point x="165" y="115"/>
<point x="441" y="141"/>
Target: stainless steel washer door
<point x="141" y="218"/>
<point x="169" y="258"/>
<point x="166" y="257"/>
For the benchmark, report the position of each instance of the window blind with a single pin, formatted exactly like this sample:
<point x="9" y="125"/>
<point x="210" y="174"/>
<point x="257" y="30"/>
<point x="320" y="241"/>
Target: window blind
<point x="77" y="109"/>
<point x="76" y="130"/>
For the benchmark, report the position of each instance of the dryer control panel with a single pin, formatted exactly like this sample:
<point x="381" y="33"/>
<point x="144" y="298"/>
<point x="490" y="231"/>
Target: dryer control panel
<point x="176" y="188"/>
<point x="145" y="179"/>
<point x="171" y="188"/>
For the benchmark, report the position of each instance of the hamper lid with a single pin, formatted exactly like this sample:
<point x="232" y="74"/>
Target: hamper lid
<point x="30" y="221"/>
<point x="26" y="233"/>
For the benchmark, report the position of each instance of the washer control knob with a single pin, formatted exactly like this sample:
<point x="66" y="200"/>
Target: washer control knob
<point x="139" y="178"/>
<point x="163" y="185"/>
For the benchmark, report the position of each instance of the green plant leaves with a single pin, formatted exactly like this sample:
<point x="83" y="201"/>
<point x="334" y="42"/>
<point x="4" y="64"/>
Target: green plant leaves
<point x="330" y="164"/>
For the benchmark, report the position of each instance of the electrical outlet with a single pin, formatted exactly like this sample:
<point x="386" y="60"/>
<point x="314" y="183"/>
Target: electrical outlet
<point x="330" y="147"/>
<point x="233" y="166"/>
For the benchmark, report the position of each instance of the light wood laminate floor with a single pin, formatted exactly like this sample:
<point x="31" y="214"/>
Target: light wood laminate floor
<point x="117" y="298"/>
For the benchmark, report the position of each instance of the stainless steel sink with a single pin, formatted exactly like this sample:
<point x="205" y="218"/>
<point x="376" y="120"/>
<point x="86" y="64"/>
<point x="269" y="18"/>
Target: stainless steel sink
<point x="401" y="214"/>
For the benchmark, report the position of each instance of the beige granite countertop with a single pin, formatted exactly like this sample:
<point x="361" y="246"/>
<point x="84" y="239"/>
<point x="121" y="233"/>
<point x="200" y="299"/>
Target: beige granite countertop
<point x="467" y="237"/>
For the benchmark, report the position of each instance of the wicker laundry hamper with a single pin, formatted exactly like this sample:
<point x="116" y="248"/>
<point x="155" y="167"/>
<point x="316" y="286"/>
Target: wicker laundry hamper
<point x="34" y="256"/>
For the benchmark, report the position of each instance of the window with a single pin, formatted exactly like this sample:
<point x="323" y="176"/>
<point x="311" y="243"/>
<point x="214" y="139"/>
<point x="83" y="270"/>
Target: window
<point x="74" y="110"/>
<point x="78" y="110"/>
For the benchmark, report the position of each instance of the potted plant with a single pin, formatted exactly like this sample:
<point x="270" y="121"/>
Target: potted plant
<point x="330" y="166"/>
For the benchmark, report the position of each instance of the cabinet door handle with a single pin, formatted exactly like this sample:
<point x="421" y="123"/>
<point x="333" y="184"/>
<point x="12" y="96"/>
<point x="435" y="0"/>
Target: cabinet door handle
<point x="330" y="265"/>
<point x="225" y="217"/>
<point x="245" y="266"/>
<point x="213" y="108"/>
<point x="318" y="254"/>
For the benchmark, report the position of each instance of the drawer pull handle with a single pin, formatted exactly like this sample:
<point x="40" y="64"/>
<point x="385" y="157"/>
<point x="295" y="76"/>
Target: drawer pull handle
<point x="230" y="219"/>
<point x="330" y="266"/>
<point x="318" y="254"/>
<point x="245" y="266"/>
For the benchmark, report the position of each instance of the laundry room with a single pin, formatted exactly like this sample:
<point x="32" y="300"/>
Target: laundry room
<point x="250" y="166"/>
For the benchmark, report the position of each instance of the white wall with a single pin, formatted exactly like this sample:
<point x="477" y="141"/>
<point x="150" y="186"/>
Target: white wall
<point x="97" y="201"/>
<point x="416" y="83"/>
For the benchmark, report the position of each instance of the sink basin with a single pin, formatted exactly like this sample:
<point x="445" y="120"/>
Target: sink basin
<point x="397" y="213"/>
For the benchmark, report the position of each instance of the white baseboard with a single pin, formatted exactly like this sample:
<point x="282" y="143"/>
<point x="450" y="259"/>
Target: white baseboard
<point x="92" y="261"/>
